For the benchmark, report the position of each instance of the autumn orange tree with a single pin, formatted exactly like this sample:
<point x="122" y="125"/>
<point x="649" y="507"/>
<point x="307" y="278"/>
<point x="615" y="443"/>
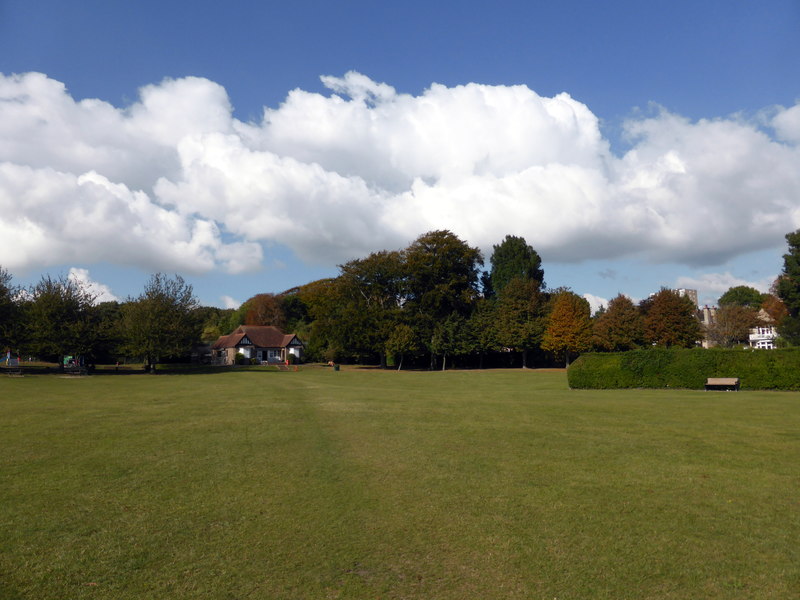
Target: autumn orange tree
<point x="264" y="309"/>
<point x="569" y="327"/>
<point x="671" y="320"/>
<point x="620" y="327"/>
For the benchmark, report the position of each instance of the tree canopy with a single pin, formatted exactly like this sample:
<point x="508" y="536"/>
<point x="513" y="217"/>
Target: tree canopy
<point x="732" y="324"/>
<point x="620" y="327"/>
<point x="264" y="309"/>
<point x="160" y="323"/>
<point x="59" y="319"/>
<point x="671" y="320"/>
<point x="742" y="295"/>
<point x="9" y="313"/>
<point x="569" y="328"/>
<point x="520" y="316"/>
<point x="788" y="289"/>
<point x="441" y="275"/>
<point x="512" y="259"/>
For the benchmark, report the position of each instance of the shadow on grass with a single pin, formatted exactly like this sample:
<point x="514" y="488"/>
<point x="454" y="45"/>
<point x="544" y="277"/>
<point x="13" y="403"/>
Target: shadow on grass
<point x="111" y="370"/>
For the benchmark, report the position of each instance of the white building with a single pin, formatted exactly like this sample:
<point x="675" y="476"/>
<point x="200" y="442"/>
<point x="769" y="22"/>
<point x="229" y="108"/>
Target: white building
<point x="763" y="337"/>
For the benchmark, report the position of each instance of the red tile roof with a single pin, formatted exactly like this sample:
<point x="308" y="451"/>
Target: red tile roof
<point x="262" y="336"/>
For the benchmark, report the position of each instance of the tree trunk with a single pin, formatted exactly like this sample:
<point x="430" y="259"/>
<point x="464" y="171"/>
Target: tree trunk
<point x="400" y="366"/>
<point x="524" y="358"/>
<point x="444" y="362"/>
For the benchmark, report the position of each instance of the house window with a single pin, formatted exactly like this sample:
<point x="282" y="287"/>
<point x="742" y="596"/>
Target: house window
<point x="274" y="354"/>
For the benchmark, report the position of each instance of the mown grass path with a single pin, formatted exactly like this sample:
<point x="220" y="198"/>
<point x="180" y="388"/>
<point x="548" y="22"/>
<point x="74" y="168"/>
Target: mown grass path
<point x="371" y="484"/>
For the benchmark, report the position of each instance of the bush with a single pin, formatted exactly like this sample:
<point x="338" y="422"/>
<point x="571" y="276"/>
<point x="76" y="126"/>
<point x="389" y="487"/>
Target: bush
<point x="239" y="359"/>
<point x="687" y="368"/>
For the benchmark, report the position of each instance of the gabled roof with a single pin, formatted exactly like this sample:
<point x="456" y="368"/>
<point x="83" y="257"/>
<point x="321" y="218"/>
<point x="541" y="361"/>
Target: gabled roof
<point x="261" y="336"/>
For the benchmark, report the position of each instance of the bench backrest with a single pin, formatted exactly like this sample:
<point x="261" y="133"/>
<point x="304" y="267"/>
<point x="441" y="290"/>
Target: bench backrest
<point x="722" y="381"/>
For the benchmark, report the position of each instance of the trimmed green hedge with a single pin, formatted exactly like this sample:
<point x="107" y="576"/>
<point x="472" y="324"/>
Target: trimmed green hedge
<point x="687" y="368"/>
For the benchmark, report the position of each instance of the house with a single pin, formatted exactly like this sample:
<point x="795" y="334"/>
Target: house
<point x="763" y="335"/>
<point x="266" y="344"/>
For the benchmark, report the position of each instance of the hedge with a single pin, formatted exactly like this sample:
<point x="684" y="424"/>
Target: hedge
<point x="687" y="368"/>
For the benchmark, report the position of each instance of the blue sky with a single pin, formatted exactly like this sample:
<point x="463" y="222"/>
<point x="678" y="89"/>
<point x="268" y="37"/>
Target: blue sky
<point x="634" y="144"/>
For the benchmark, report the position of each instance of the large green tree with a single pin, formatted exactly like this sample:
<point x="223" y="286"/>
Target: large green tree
<point x="160" y="323"/>
<point x="402" y="341"/>
<point x="450" y="338"/>
<point x="441" y="279"/>
<point x="742" y="295"/>
<point x="9" y="313"/>
<point x="441" y="275"/>
<point x="513" y="259"/>
<point x="670" y="320"/>
<point x="788" y="289"/>
<point x="619" y="327"/>
<point x="521" y="316"/>
<point x="569" y="327"/>
<point x="370" y="295"/>
<point x="60" y="319"/>
<point x="482" y="329"/>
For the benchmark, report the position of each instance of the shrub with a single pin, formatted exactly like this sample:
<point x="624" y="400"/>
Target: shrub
<point x="687" y="368"/>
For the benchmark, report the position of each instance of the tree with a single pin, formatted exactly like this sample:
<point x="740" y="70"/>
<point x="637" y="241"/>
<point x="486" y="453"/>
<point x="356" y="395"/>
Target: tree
<point x="450" y="338"/>
<point x="731" y="325"/>
<point x="788" y="289"/>
<point x="774" y="307"/>
<point x="619" y="327"/>
<point x="670" y="320"/>
<point x="401" y="341"/>
<point x="569" y="327"/>
<point x="520" y="316"/>
<point x="441" y="275"/>
<point x="512" y="259"/>
<point x="441" y="278"/>
<point x="107" y="348"/>
<point x="9" y="313"/>
<point x="482" y="329"/>
<point x="742" y="295"/>
<point x="160" y="323"/>
<point x="59" y="319"/>
<point x="264" y="309"/>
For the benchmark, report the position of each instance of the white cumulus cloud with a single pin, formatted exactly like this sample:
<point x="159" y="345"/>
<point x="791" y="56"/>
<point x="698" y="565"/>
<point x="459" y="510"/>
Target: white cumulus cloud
<point x="229" y="302"/>
<point x="100" y="291"/>
<point x="174" y="182"/>
<point x="595" y="302"/>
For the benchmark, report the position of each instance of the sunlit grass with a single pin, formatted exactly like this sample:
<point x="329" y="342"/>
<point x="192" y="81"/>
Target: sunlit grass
<point x="371" y="484"/>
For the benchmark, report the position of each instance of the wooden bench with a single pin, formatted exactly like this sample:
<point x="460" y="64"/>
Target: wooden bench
<point x="725" y="384"/>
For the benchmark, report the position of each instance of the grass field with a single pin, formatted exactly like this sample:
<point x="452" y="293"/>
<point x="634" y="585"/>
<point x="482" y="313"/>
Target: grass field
<point x="371" y="484"/>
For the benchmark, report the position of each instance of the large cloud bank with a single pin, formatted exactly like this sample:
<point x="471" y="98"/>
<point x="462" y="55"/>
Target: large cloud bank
<point x="175" y="182"/>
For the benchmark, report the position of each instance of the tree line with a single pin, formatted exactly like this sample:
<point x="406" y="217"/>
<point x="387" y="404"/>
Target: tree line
<point x="430" y="305"/>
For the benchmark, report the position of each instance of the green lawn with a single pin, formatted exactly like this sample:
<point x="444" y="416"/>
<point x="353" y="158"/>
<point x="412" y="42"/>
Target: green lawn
<point x="370" y="484"/>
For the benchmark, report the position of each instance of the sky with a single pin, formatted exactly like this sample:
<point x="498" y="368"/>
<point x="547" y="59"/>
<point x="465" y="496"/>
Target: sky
<point x="253" y="146"/>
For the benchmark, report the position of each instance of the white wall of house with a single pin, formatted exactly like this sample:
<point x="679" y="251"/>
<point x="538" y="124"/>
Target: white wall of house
<point x="763" y="337"/>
